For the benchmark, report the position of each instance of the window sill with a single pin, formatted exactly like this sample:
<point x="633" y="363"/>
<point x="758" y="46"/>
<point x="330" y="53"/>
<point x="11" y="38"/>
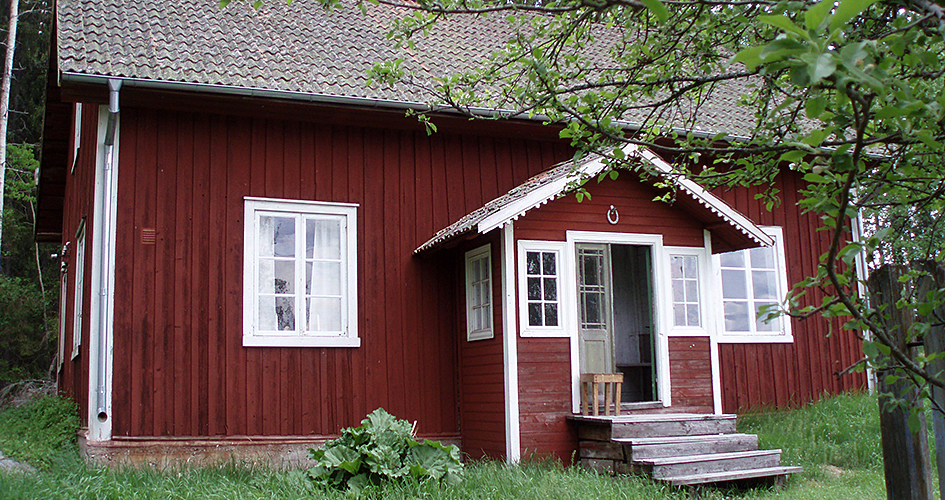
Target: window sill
<point x="727" y="338"/>
<point x="296" y="341"/>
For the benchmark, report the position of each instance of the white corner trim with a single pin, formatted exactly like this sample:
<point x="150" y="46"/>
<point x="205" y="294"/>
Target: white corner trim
<point x="513" y="437"/>
<point x="710" y="313"/>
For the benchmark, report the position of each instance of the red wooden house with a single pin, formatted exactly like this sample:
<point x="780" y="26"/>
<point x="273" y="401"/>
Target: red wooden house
<point x="260" y="250"/>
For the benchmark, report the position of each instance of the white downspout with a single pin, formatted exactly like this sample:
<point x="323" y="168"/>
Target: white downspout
<point x="103" y="342"/>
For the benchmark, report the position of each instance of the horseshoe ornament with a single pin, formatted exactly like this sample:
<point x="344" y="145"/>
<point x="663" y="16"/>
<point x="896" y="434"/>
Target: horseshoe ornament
<point x="612" y="216"/>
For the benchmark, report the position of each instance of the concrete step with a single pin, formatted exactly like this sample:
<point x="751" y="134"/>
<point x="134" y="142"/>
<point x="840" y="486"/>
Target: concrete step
<point x="607" y="428"/>
<point x="642" y="448"/>
<point x="721" y="477"/>
<point x="667" y="467"/>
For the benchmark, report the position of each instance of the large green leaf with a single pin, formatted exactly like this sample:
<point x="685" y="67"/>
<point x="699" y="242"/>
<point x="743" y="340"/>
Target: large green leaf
<point x="847" y="10"/>
<point x="816" y="15"/>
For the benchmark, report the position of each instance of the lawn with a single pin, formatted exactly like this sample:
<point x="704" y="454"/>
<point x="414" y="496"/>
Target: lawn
<point x="836" y="441"/>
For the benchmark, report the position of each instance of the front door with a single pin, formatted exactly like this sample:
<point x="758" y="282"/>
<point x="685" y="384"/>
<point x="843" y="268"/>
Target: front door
<point x="615" y="305"/>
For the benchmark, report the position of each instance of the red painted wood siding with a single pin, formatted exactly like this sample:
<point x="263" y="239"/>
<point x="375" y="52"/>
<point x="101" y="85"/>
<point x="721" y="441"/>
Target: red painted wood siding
<point x="481" y="365"/>
<point x="634" y="202"/>
<point x="80" y="190"/>
<point x="690" y="373"/>
<point x="179" y="362"/>
<point x="782" y="375"/>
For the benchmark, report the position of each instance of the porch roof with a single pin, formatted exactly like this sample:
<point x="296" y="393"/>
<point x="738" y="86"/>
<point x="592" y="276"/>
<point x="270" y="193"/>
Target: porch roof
<point x="731" y="230"/>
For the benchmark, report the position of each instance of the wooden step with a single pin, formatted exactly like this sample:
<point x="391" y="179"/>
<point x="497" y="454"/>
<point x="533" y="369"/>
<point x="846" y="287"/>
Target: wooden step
<point x="642" y="448"/>
<point x="720" y="477"/>
<point x="607" y="428"/>
<point x="666" y="467"/>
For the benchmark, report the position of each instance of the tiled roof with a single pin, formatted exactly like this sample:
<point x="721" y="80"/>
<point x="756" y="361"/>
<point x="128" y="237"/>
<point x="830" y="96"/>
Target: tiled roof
<point x="294" y="48"/>
<point x="569" y="175"/>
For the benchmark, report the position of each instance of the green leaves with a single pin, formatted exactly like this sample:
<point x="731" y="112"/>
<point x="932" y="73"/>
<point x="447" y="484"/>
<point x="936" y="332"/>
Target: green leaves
<point x="382" y="448"/>
<point x="657" y="8"/>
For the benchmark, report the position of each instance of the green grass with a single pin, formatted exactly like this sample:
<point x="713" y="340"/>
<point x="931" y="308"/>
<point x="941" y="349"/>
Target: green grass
<point x="39" y="431"/>
<point x="841" y="433"/>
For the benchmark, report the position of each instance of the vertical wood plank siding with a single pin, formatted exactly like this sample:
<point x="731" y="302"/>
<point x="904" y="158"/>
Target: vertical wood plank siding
<point x="545" y="363"/>
<point x="690" y="373"/>
<point x="481" y="365"/>
<point x="79" y="198"/>
<point x="178" y="310"/>
<point x="783" y="375"/>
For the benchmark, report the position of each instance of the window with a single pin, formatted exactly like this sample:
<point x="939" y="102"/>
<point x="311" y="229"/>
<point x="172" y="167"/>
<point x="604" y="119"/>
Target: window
<point x="300" y="274"/>
<point x="479" y="293"/>
<point x="77" y="309"/>
<point x="63" y="296"/>
<point x="540" y="268"/>
<point x="684" y="279"/>
<point x="752" y="279"/>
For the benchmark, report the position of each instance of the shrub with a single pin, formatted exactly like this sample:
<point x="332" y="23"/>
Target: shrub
<point x="381" y="449"/>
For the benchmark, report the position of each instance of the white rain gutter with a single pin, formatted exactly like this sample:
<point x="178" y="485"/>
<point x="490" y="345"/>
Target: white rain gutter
<point x="104" y="222"/>
<point x="363" y="102"/>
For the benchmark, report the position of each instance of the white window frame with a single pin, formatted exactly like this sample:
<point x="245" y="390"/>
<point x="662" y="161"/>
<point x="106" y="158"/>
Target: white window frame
<point x="704" y="282"/>
<point x="564" y="270"/>
<point x="79" y="286"/>
<point x="348" y="337"/>
<point x="785" y="335"/>
<point x="473" y="257"/>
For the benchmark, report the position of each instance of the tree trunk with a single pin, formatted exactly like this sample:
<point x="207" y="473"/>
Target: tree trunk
<point x="5" y="104"/>
<point x="935" y="343"/>
<point x="905" y="455"/>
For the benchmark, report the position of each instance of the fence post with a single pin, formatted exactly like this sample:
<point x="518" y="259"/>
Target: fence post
<point x="935" y="343"/>
<point x="905" y="455"/>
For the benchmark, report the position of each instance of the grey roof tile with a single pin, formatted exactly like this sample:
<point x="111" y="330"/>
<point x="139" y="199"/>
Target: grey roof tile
<point x="295" y="47"/>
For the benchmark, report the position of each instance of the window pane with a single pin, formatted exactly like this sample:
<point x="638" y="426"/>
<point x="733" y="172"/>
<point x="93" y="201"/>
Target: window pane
<point x="773" y="326"/>
<point x="325" y="280"/>
<point x="486" y="313"/>
<point x="474" y="271"/>
<point x="486" y="292"/>
<point x="592" y="312"/>
<point x="591" y="270"/>
<point x="734" y="285"/>
<point x="765" y="285"/>
<point x="324" y="315"/>
<point x="277" y="313"/>
<point x="532" y="263"/>
<point x="679" y="314"/>
<point x="692" y="315"/>
<point x="732" y="259"/>
<point x="534" y="288"/>
<point x="676" y="267"/>
<point x="534" y="314"/>
<point x="551" y="289"/>
<point x="762" y="258"/>
<point x="548" y="263"/>
<point x="736" y="317"/>
<point x="323" y="238"/>
<point x="551" y="314"/>
<point x="276" y="236"/>
<point x="484" y="266"/>
<point x="691" y="267"/>
<point x="692" y="291"/>
<point x="679" y="294"/>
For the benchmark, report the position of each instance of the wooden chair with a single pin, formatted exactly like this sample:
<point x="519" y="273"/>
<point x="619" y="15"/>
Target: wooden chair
<point x="613" y="383"/>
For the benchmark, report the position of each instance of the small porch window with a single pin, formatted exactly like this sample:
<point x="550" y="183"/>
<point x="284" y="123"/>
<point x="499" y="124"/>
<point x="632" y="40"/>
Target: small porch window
<point x="479" y="293"/>
<point x="540" y="268"/>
